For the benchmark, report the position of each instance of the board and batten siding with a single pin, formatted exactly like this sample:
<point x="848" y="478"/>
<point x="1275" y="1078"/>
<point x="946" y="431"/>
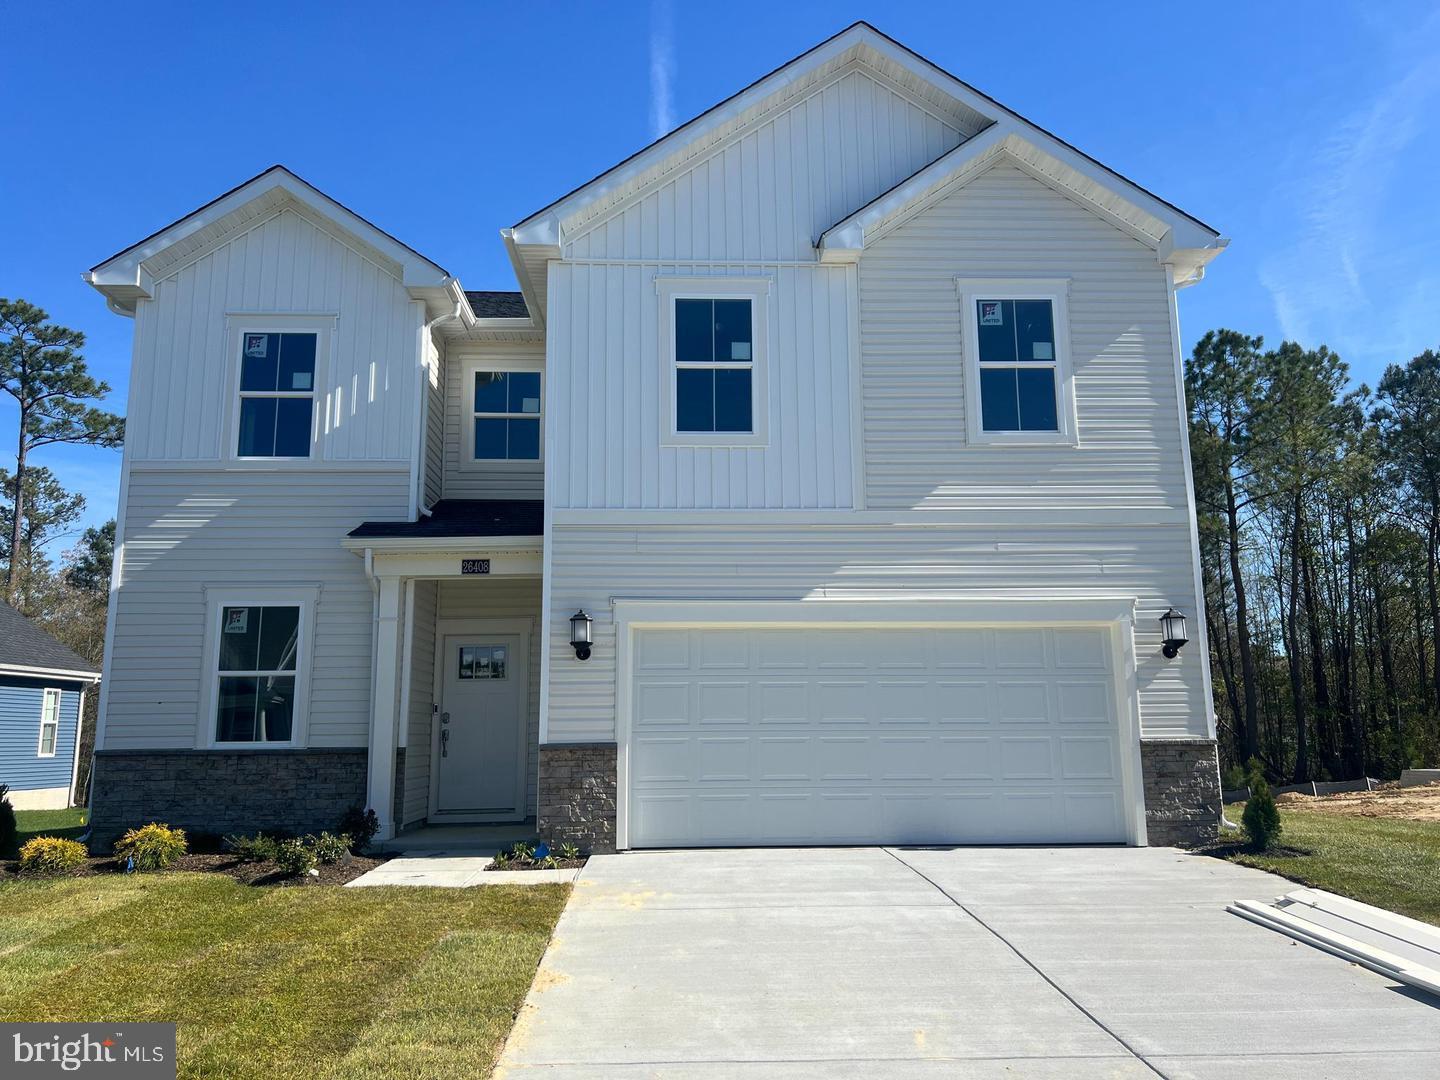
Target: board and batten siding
<point x="506" y="598"/>
<point x="906" y="560"/>
<point x="767" y="194"/>
<point x="181" y="392"/>
<point x="466" y="478"/>
<point x="1005" y="224"/>
<point x="422" y="695"/>
<point x="21" y="766"/>
<point x="186" y="530"/>
<point x="604" y="392"/>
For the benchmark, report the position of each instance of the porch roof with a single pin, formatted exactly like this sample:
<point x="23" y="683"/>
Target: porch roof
<point x="463" y="517"/>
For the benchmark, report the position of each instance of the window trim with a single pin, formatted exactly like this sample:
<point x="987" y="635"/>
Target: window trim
<point x="322" y="326"/>
<point x="1057" y="291"/>
<point x="757" y="291"/>
<point x="217" y="598"/>
<point x="470" y="366"/>
<point x="50" y="693"/>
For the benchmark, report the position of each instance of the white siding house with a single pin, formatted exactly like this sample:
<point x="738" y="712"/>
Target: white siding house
<point x="849" y="414"/>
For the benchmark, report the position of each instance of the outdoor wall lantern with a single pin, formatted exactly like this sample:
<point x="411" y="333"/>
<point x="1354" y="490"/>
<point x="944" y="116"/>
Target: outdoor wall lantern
<point x="581" y="639"/>
<point x="1172" y="626"/>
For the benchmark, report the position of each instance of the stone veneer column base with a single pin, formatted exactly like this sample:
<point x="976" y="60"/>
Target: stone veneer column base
<point x="577" y="795"/>
<point x="1182" y="791"/>
<point x="224" y="791"/>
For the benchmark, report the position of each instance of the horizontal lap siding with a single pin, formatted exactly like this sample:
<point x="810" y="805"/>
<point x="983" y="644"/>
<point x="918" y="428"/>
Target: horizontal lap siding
<point x="466" y="478"/>
<point x="435" y="433"/>
<point x="506" y="598"/>
<point x="181" y="387"/>
<point x="605" y="377"/>
<point x="21" y="766"/>
<point x="185" y="530"/>
<point x="1006" y="224"/>
<point x="590" y="566"/>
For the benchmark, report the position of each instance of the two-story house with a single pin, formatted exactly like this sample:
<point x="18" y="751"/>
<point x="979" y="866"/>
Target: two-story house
<point x="824" y="482"/>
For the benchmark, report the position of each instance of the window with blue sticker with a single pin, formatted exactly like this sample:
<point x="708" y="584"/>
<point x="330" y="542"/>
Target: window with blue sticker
<point x="1019" y="368"/>
<point x="507" y="415"/>
<point x="714" y="366"/>
<point x="277" y="395"/>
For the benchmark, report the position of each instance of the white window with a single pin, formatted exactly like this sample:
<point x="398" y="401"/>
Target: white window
<point x="258" y="673"/>
<point x="49" y="723"/>
<point x="1018" y="387"/>
<point x="505" y="420"/>
<point x="713" y="344"/>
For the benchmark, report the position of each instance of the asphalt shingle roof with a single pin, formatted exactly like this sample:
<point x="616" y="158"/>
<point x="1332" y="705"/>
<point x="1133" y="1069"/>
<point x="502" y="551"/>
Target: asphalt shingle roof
<point x="498" y="305"/>
<point x="24" y="644"/>
<point x="464" y="517"/>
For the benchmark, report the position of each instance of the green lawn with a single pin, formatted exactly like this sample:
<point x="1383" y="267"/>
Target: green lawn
<point x="69" y="823"/>
<point x="1391" y="863"/>
<point x="318" y="982"/>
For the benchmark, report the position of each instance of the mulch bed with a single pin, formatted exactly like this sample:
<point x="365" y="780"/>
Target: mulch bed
<point x="1224" y="849"/>
<point x="247" y="873"/>
<point x="530" y="864"/>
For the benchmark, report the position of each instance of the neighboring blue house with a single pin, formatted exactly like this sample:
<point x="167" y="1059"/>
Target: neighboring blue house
<point x="42" y="695"/>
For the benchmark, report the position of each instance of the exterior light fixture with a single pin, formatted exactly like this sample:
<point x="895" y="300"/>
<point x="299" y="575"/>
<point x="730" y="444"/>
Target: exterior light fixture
<point x="580" y="634"/>
<point x="1172" y="627"/>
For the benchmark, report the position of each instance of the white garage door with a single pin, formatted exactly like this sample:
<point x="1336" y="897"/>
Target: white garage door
<point x="805" y="736"/>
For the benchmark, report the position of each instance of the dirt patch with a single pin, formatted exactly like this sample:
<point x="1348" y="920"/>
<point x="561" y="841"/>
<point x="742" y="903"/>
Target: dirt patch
<point x="1388" y="801"/>
<point x="247" y="873"/>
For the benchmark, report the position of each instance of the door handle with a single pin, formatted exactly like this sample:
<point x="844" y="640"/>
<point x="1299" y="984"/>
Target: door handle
<point x="445" y="742"/>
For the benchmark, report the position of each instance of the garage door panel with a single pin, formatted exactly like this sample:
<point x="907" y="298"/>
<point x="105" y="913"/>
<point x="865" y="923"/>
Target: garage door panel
<point x="802" y="736"/>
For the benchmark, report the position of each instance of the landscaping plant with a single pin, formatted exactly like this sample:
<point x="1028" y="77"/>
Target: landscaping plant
<point x="329" y="848"/>
<point x="152" y="847"/>
<point x="8" y="828"/>
<point x="294" y="857"/>
<point x="252" y="849"/>
<point x="1262" y="816"/>
<point x="51" y="855"/>
<point x="360" y="825"/>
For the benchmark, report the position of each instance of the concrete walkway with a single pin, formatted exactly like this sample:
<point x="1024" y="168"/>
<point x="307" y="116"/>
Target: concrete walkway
<point x="452" y="870"/>
<point x="1071" y="963"/>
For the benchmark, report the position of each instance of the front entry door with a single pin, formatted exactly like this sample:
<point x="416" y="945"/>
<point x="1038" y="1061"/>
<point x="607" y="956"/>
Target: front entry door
<point x="481" y="754"/>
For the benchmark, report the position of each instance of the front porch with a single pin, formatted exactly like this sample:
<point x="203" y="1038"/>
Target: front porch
<point x="455" y="707"/>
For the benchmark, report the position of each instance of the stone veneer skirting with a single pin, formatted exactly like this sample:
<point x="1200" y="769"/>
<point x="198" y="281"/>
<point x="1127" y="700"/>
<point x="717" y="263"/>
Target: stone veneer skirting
<point x="577" y="795"/>
<point x="1182" y="791"/>
<point x="224" y="791"/>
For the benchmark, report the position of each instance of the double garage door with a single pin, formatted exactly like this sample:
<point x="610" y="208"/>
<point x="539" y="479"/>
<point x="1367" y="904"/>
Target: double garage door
<point x="972" y="735"/>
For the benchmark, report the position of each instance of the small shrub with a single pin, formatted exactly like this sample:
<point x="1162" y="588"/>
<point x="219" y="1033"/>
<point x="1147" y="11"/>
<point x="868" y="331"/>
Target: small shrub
<point x="51" y="855"/>
<point x="252" y="849"/>
<point x="8" y="829"/>
<point x="294" y="857"/>
<point x="569" y="851"/>
<point x="522" y="852"/>
<point x="1262" y="816"/>
<point x="329" y="848"/>
<point x="360" y="825"/>
<point x="153" y="846"/>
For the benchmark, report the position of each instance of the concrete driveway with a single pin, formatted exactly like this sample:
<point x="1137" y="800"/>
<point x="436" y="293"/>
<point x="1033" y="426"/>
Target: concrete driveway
<point x="1067" y="963"/>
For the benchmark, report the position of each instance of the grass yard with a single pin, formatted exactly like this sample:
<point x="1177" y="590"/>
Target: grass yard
<point x="67" y="823"/>
<point x="322" y="982"/>
<point x="1389" y="862"/>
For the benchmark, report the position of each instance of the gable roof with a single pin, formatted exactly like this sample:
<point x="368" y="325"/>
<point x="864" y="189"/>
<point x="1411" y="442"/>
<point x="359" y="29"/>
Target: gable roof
<point x="538" y="237"/>
<point x="25" y="649"/>
<point x="130" y="274"/>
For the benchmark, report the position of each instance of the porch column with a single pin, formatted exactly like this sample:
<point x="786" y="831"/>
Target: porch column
<point x="384" y="719"/>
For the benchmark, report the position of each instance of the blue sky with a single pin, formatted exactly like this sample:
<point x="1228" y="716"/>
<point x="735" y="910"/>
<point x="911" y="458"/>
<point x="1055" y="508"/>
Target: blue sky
<point x="1312" y="142"/>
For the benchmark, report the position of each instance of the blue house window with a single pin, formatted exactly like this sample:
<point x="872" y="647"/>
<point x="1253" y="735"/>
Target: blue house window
<point x="49" y="723"/>
<point x="714" y="365"/>
<point x="277" y="394"/>
<point x="258" y="651"/>
<point x="507" y="416"/>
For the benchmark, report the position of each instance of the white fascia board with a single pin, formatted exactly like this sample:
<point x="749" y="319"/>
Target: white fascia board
<point x="522" y="272"/>
<point x="844" y="241"/>
<point x="124" y="277"/>
<point x="25" y="671"/>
